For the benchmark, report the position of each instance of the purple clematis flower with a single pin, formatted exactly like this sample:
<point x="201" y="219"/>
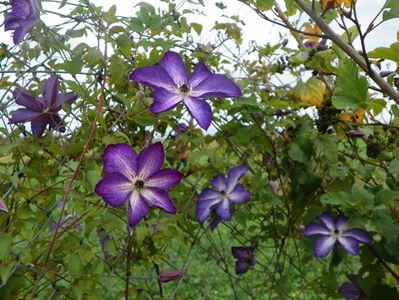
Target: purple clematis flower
<point x="42" y="111"/>
<point x="351" y="290"/>
<point x="138" y="178"/>
<point x="228" y="192"/>
<point x="24" y="15"/>
<point x="172" y="86"/>
<point x="330" y="231"/>
<point x="245" y="258"/>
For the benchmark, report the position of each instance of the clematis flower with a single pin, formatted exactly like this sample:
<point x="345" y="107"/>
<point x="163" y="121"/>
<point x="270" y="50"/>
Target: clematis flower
<point x="330" y="232"/>
<point x="170" y="275"/>
<point x="42" y="111"/>
<point x="351" y="290"/>
<point x="138" y="178"/>
<point x="172" y="86"/>
<point x="245" y="258"/>
<point x="24" y="15"/>
<point x="228" y="192"/>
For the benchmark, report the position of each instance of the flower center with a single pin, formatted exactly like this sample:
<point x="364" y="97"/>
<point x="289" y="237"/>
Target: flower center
<point x="336" y="232"/>
<point x="184" y="89"/>
<point x="139" y="184"/>
<point x="223" y="193"/>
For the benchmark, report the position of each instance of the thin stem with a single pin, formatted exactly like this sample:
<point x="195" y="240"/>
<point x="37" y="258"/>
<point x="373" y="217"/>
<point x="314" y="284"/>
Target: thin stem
<point x="128" y="263"/>
<point x="159" y="280"/>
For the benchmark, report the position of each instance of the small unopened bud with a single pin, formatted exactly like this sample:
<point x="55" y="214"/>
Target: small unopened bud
<point x="170" y="275"/>
<point x="140" y="96"/>
<point x="355" y="133"/>
<point x="273" y="185"/>
<point x="3" y="206"/>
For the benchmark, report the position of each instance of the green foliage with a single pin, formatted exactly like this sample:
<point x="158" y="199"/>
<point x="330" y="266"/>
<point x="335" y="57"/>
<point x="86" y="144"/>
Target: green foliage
<point x="297" y="127"/>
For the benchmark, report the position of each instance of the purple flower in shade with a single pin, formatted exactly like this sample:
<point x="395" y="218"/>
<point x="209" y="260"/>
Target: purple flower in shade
<point x="3" y="206"/>
<point x="42" y="111"/>
<point x="245" y="258"/>
<point x="330" y="231"/>
<point x="64" y="220"/>
<point x="172" y="86"/>
<point x="351" y="290"/>
<point x="169" y="275"/>
<point x="24" y="15"/>
<point x="228" y="192"/>
<point x="138" y="178"/>
<point x="103" y="241"/>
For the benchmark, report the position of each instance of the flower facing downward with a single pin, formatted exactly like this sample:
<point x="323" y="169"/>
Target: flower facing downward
<point x="24" y="15"/>
<point x="42" y="111"/>
<point x="138" y="178"/>
<point x="245" y="258"/>
<point x="351" y="290"/>
<point x="227" y="193"/>
<point x="172" y="86"/>
<point x="330" y="232"/>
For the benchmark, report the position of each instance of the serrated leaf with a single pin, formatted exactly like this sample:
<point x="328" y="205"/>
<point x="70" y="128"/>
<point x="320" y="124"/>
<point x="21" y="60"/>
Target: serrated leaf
<point x="391" y="53"/>
<point x="351" y="88"/>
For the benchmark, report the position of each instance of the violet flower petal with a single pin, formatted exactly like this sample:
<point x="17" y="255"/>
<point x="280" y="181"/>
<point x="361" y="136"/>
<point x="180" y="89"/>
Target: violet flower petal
<point x="153" y="77"/>
<point x="137" y="209"/>
<point x="216" y="85"/>
<point x="159" y="198"/>
<point x="349" y="291"/>
<point x="350" y="244"/>
<point x="55" y="122"/>
<point x="62" y="98"/>
<point x="200" y="73"/>
<point x="150" y="160"/>
<point x="39" y="124"/>
<point x="200" y="110"/>
<point x="22" y="115"/>
<point x="164" y="179"/>
<point x="242" y="252"/>
<point x="206" y="201"/>
<point x="120" y="158"/>
<point x="51" y="89"/>
<point x="241" y="267"/>
<point x="23" y="98"/>
<point x="164" y="100"/>
<point x="323" y="245"/>
<point x="224" y="210"/>
<point x="174" y="66"/>
<point x="219" y="182"/>
<point x="328" y="220"/>
<point x="340" y="223"/>
<point x="114" y="188"/>
<point x="359" y="234"/>
<point x="312" y="229"/>
<point x="239" y="194"/>
<point x="234" y="176"/>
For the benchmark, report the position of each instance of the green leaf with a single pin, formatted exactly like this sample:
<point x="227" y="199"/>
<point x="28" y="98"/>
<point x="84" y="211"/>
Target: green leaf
<point x="393" y="12"/>
<point x="5" y="246"/>
<point x="264" y="4"/>
<point x="75" y="266"/>
<point x="386" y="196"/>
<point x="391" y="53"/>
<point x="296" y="153"/>
<point x="351" y="89"/>
<point x="197" y="27"/>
